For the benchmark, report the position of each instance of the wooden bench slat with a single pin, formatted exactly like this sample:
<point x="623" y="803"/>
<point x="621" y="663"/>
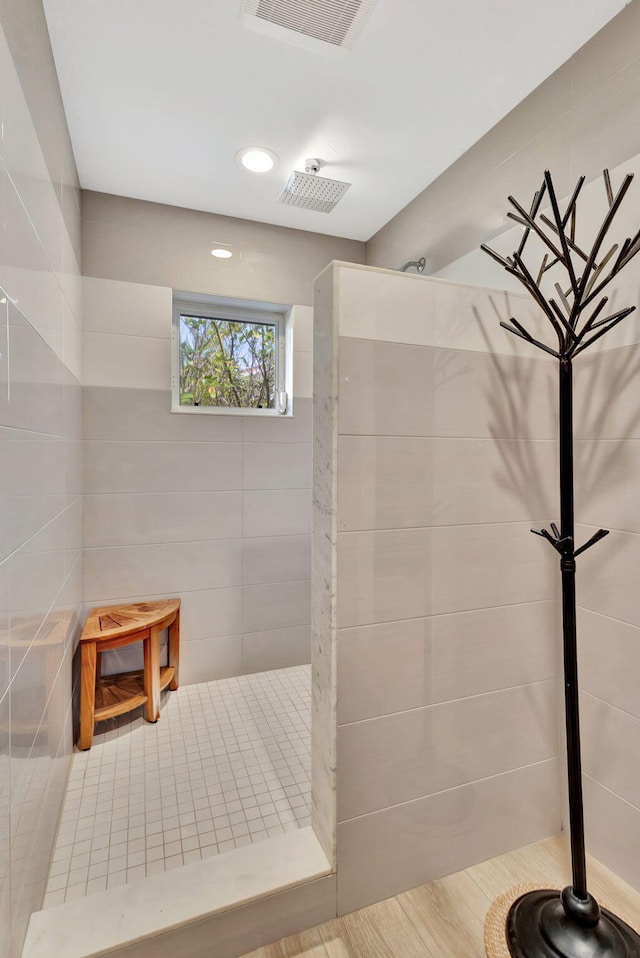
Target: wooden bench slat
<point x="127" y="618"/>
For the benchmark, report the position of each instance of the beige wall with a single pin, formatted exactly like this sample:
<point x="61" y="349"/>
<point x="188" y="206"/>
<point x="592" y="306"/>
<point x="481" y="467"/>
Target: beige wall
<point x="158" y="245"/>
<point x="40" y="450"/>
<point x="476" y="267"/>
<point x="584" y="117"/>
<point x="215" y="509"/>
<point x="445" y="619"/>
<point x="607" y="469"/>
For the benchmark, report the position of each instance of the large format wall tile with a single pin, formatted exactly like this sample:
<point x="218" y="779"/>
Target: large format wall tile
<point x="490" y="649"/>
<point x="276" y="649"/>
<point x="276" y="466"/>
<point x="396" y="758"/>
<point x="212" y="658"/>
<point x="385" y="389"/>
<point x="607" y="576"/>
<point x="302" y="324"/>
<point x="296" y="428"/>
<point x="383" y="668"/>
<point x="211" y="612"/>
<point x="609" y="659"/>
<point x="393" y="666"/>
<point x="44" y="395"/>
<point x="433" y="312"/>
<point x="30" y="279"/>
<point x="35" y="484"/>
<point x="205" y="612"/>
<point x="384" y="575"/>
<point x="493" y="480"/>
<point x="145" y="415"/>
<point x="388" y="482"/>
<point x="398" y="848"/>
<point x="162" y="467"/>
<point x="611" y="747"/>
<point x="611" y="825"/>
<point x="128" y="309"/>
<point x="276" y="605"/>
<point x="407" y="573"/>
<point x="119" y="361"/>
<point x="385" y="482"/>
<point x="193" y="479"/>
<point x="446" y="604"/>
<point x="606" y="487"/>
<point x="391" y="389"/>
<point x="41" y="475"/>
<point x="276" y="559"/>
<point x="138" y="518"/>
<point x="606" y="401"/>
<point x="276" y="512"/>
<point x="123" y="571"/>
<point x="303" y="374"/>
<point x="477" y="567"/>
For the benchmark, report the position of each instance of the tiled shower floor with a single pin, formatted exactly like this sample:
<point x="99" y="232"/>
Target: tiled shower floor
<point x="227" y="764"/>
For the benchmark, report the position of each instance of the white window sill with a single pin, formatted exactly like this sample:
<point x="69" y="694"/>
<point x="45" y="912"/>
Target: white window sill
<point x="230" y="411"/>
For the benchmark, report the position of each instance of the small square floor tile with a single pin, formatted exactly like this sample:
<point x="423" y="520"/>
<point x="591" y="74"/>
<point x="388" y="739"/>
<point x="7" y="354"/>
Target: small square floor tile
<point x="227" y="765"/>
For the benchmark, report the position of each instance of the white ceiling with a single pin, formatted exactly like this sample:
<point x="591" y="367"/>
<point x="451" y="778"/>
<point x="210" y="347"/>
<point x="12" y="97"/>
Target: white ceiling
<point x="161" y="94"/>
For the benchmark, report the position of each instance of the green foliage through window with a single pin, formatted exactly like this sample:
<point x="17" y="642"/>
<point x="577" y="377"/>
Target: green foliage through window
<point x="227" y="363"/>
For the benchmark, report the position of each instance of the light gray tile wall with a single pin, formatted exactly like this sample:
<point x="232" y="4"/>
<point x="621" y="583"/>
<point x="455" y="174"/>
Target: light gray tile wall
<point x="184" y="518"/>
<point x="446" y="616"/>
<point x="197" y="506"/>
<point x="416" y="841"/>
<point x="214" y="509"/>
<point x="40" y="450"/>
<point x="580" y="120"/>
<point x="436" y="565"/>
<point x="607" y="475"/>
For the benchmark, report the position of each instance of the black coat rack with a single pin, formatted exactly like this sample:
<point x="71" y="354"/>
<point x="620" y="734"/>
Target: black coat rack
<point x="570" y="923"/>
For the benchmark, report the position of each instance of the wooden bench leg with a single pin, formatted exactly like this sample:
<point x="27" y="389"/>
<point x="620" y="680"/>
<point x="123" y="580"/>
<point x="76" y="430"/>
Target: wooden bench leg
<point x="87" y="694"/>
<point x="152" y="675"/>
<point x="174" y="651"/>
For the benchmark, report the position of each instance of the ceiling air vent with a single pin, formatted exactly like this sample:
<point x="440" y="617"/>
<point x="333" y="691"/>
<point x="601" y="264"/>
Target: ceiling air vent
<point x="336" y="23"/>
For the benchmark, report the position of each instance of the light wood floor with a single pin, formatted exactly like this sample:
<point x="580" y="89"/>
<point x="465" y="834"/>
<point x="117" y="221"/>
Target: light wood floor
<point x="445" y="918"/>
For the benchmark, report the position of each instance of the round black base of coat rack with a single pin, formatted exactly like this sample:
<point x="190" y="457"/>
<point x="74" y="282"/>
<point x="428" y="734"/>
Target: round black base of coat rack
<point x="539" y="926"/>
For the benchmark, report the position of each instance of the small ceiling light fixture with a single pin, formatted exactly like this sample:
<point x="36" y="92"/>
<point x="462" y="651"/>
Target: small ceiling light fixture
<point x="222" y="253"/>
<point x="256" y="159"/>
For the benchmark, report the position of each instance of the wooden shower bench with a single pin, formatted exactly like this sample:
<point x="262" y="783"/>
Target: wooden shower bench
<point x="111" y="627"/>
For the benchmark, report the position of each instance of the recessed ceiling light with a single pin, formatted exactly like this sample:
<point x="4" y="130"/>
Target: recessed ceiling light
<point x="222" y="253"/>
<point x="256" y="159"/>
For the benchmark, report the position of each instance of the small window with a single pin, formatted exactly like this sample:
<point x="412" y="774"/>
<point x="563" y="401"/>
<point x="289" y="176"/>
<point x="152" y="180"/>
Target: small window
<point x="229" y="357"/>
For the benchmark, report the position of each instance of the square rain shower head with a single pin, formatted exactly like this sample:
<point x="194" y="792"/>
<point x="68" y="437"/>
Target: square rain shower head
<point x="312" y="192"/>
